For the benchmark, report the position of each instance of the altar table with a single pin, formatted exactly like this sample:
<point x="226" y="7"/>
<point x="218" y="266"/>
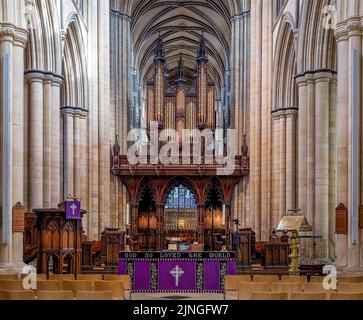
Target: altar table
<point x="177" y="271"/>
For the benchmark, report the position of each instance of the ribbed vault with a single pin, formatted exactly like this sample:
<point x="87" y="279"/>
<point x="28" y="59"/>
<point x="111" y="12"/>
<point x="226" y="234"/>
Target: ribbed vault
<point x="181" y="23"/>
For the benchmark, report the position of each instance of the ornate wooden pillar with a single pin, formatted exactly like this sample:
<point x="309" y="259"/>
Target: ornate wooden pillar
<point x="134" y="218"/>
<point x="200" y="233"/>
<point x="229" y="222"/>
<point x="159" y="226"/>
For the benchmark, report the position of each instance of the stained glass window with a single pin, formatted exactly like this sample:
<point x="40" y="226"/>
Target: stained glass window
<point x="181" y="197"/>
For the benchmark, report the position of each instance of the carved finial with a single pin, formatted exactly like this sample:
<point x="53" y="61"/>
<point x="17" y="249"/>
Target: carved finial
<point x="116" y="147"/>
<point x="202" y="50"/>
<point x="244" y="147"/>
<point x="159" y="50"/>
<point x="181" y="71"/>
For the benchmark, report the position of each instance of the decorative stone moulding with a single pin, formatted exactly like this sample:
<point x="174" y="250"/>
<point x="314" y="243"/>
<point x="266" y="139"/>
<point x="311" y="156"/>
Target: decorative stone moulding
<point x="9" y="32"/>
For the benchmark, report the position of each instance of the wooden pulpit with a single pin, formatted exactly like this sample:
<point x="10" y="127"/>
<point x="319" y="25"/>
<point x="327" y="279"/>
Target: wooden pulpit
<point x="59" y="241"/>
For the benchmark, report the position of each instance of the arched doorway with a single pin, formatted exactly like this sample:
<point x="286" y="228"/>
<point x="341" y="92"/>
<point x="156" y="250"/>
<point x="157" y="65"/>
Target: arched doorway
<point x="53" y="264"/>
<point x="181" y="216"/>
<point x="147" y="218"/>
<point x="68" y="264"/>
<point x="214" y="218"/>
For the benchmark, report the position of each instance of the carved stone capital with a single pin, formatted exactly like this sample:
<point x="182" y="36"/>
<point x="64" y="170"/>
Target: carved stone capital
<point x="9" y="32"/>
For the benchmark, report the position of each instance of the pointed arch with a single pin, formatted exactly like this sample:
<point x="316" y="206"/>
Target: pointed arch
<point x="175" y="182"/>
<point x="43" y="51"/>
<point x="285" y="66"/>
<point x="74" y="67"/>
<point x="316" y="43"/>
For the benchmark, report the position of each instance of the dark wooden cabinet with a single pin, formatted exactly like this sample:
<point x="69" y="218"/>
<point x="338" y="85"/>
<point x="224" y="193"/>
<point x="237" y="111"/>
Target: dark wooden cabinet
<point x="246" y="247"/>
<point x="276" y="254"/>
<point x="111" y="245"/>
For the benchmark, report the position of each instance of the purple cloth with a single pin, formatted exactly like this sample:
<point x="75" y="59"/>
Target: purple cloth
<point x="232" y="267"/>
<point x="177" y="275"/>
<point x="73" y="209"/>
<point x="122" y="267"/>
<point x="142" y="276"/>
<point x="211" y="275"/>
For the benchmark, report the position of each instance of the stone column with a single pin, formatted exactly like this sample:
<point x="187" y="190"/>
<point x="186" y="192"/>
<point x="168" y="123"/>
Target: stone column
<point x="47" y="143"/>
<point x="282" y="174"/>
<point x="12" y="43"/>
<point x="56" y="180"/>
<point x="77" y="155"/>
<point x="291" y="115"/>
<point x="302" y="143"/>
<point x="349" y="182"/>
<point x="68" y="150"/>
<point x="342" y="142"/>
<point x="36" y="138"/>
<point x="310" y="213"/>
<point x="354" y="29"/>
<point x="322" y="99"/>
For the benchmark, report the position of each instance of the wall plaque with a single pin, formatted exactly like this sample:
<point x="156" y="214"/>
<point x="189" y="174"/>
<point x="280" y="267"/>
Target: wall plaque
<point x="341" y="219"/>
<point x="18" y="218"/>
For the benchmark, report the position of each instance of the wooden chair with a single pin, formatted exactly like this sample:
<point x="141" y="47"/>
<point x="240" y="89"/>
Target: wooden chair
<point x="294" y="279"/>
<point x="245" y="289"/>
<point x="94" y="295"/>
<point x="17" y="295"/>
<point x="40" y="276"/>
<point x="350" y="279"/>
<point x="125" y="278"/>
<point x="350" y="287"/>
<point x="317" y="279"/>
<point x="62" y="277"/>
<point x="288" y="288"/>
<point x="346" y="296"/>
<point x="11" y="285"/>
<point x="265" y="296"/>
<point x="315" y="288"/>
<point x="55" y="295"/>
<point x="231" y="284"/>
<point x="115" y="287"/>
<point x="49" y="285"/>
<point x="9" y="277"/>
<point x="77" y="285"/>
<point x="265" y="278"/>
<point x="309" y="296"/>
<point x="90" y="277"/>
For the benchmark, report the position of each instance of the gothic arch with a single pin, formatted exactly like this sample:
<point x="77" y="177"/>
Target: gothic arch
<point x="74" y="67"/>
<point x="284" y="92"/>
<point x="43" y="51"/>
<point x="316" y="43"/>
<point x="174" y="182"/>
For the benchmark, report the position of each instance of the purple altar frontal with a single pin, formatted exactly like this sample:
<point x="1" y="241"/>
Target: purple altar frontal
<point x="177" y="271"/>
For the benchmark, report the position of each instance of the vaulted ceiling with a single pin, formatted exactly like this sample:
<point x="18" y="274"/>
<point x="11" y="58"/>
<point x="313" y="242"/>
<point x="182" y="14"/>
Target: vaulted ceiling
<point x="181" y="23"/>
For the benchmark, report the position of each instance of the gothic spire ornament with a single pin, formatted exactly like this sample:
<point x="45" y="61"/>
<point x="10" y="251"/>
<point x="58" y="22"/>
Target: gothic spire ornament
<point x="181" y="71"/>
<point x="159" y="50"/>
<point x="202" y="50"/>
